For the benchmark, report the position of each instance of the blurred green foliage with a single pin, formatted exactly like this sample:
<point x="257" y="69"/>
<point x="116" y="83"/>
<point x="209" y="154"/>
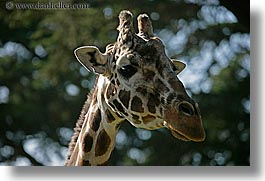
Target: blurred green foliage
<point x="43" y="87"/>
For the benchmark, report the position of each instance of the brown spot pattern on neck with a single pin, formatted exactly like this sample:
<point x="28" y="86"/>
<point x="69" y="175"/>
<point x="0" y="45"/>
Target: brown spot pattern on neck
<point x="103" y="143"/>
<point x="87" y="142"/>
<point x="95" y="122"/>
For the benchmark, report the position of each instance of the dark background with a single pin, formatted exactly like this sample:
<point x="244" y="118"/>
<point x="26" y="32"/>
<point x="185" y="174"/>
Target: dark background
<point x="43" y="87"/>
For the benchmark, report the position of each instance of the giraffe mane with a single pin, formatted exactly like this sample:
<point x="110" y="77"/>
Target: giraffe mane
<point x="80" y="122"/>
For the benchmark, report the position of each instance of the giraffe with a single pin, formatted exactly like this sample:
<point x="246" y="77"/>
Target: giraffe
<point x="137" y="82"/>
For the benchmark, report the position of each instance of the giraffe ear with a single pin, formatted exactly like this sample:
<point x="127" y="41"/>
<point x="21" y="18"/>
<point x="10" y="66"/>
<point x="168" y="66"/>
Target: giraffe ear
<point x="91" y="58"/>
<point x="179" y="66"/>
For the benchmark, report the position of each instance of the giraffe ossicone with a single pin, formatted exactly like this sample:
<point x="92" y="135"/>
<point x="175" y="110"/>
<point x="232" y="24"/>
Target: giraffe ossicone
<point x="136" y="82"/>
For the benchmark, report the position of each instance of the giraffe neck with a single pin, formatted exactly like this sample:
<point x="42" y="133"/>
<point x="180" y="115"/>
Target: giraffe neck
<point x="96" y="139"/>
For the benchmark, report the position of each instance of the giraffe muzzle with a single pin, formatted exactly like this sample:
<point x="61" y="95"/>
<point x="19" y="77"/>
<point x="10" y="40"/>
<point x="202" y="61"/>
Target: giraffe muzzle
<point x="184" y="122"/>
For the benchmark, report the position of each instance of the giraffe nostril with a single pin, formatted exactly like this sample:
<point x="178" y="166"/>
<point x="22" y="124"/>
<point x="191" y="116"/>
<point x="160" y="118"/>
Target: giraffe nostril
<point x="186" y="108"/>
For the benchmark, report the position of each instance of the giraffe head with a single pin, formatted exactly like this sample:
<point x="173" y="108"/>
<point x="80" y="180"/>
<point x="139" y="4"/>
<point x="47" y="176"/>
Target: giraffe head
<point x="141" y="83"/>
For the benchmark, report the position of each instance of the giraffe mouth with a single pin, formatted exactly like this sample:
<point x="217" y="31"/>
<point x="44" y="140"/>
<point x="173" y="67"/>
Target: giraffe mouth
<point x="184" y="137"/>
<point x="176" y="134"/>
<point x="179" y="136"/>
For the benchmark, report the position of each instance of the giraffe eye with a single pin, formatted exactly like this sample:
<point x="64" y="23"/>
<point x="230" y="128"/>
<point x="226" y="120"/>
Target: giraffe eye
<point x="127" y="71"/>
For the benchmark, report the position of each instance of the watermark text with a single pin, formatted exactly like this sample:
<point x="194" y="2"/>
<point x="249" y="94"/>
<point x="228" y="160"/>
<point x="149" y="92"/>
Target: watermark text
<point x="10" y="5"/>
